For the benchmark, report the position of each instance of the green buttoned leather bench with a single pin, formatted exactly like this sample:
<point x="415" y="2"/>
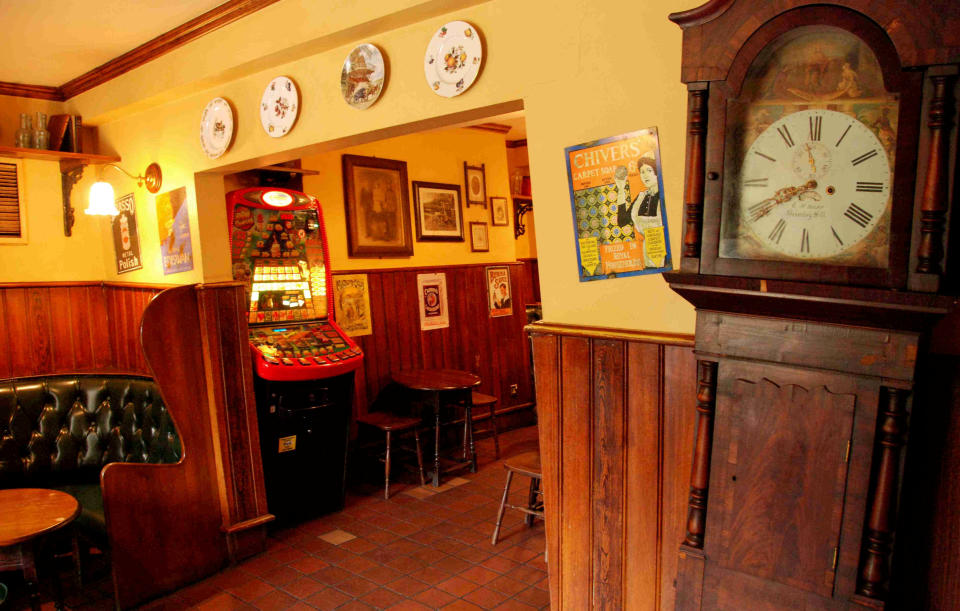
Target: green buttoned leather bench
<point x="60" y="431"/>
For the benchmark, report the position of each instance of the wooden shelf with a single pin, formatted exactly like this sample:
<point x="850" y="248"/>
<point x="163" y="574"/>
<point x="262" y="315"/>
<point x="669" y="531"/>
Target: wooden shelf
<point x="45" y="155"/>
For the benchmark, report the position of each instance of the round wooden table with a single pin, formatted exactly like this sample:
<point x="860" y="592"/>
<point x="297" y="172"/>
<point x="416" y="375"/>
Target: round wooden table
<point x="29" y="514"/>
<point x="437" y="381"/>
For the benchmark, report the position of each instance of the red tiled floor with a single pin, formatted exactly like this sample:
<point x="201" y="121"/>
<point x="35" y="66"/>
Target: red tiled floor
<point x="409" y="554"/>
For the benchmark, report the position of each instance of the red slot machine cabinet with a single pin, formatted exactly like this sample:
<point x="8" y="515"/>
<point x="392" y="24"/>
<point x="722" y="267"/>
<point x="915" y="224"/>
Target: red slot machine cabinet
<point x="303" y="362"/>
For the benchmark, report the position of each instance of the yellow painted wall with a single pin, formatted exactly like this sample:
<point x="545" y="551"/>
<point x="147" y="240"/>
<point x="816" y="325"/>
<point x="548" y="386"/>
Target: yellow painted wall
<point x="10" y="109"/>
<point x="435" y="156"/>
<point x="48" y="255"/>
<point x="583" y="70"/>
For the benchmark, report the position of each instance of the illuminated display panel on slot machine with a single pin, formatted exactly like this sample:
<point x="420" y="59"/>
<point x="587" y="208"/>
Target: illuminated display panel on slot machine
<point x="278" y="246"/>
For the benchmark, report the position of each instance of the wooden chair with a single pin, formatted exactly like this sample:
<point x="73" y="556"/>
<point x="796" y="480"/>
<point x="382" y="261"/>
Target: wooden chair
<point x="389" y="424"/>
<point x="481" y="400"/>
<point x="527" y="464"/>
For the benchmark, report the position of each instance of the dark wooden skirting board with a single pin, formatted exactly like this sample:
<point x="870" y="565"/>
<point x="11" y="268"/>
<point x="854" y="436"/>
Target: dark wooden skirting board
<point x="616" y="415"/>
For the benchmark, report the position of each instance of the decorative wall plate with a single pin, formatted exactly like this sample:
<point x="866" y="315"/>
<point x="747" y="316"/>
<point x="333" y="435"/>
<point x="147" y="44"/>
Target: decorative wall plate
<point x="453" y="59"/>
<point x="216" y="128"/>
<point x="363" y="76"/>
<point x="279" y="107"/>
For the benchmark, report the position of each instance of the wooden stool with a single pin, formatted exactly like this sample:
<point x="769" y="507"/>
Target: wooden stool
<point x="525" y="464"/>
<point x="490" y="402"/>
<point x="389" y="423"/>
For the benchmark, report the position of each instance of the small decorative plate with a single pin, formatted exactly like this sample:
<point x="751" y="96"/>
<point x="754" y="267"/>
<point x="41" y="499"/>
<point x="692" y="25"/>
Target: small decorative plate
<point x="216" y="128"/>
<point x="453" y="59"/>
<point x="362" y="76"/>
<point x="279" y="107"/>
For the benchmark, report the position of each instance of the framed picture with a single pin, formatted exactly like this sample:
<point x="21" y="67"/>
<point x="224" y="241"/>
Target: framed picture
<point x="498" y="212"/>
<point x="476" y="184"/>
<point x="439" y="212"/>
<point x="479" y="238"/>
<point x="378" y="207"/>
<point x="432" y="289"/>
<point x="499" y="298"/>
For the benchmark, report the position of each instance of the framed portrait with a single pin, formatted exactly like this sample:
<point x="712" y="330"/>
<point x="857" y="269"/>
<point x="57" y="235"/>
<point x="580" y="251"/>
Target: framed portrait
<point x="475" y="182"/>
<point x="499" y="297"/>
<point x="378" y="207"/>
<point x="479" y="237"/>
<point x="438" y="211"/>
<point x="499" y="217"/>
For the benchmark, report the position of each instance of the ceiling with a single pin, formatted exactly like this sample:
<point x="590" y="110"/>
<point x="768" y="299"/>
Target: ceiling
<point x="53" y="41"/>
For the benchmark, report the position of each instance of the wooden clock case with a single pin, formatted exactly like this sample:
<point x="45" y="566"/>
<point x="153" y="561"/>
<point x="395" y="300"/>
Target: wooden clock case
<point x="807" y="372"/>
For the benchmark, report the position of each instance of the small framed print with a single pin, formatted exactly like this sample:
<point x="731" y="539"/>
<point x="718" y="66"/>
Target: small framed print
<point x="479" y="237"/>
<point x="439" y="214"/>
<point x="498" y="291"/>
<point x="498" y="212"/>
<point x="474" y="179"/>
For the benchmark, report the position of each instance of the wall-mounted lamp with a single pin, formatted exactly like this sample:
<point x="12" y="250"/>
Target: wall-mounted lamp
<point x="101" y="201"/>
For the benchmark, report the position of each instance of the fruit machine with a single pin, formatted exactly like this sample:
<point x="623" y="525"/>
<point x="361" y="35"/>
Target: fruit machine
<point x="303" y="362"/>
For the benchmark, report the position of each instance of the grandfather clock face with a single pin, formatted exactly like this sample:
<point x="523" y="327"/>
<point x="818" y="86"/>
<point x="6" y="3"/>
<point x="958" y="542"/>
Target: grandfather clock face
<point x="810" y="154"/>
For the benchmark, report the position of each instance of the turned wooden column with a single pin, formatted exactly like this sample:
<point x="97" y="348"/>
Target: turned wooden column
<point x="700" y="472"/>
<point x="875" y="559"/>
<point x="933" y="204"/>
<point x="693" y="189"/>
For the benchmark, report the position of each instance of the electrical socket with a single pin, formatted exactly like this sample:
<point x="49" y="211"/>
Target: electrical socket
<point x="513" y="390"/>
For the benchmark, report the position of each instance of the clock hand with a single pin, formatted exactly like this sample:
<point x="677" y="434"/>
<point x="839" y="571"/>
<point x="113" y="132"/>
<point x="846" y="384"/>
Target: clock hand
<point x="813" y="163"/>
<point x="781" y="196"/>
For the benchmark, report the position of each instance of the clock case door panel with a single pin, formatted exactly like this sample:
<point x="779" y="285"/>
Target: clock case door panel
<point x="907" y="84"/>
<point x="780" y="501"/>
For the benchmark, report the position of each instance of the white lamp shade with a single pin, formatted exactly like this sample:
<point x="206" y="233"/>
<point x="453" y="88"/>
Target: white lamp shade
<point x="101" y="200"/>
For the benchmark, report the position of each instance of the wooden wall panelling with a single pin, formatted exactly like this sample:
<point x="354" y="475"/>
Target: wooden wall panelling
<point x="79" y="304"/>
<point x="609" y="467"/>
<point x="6" y="354"/>
<point x="100" y="335"/>
<point x="61" y="333"/>
<point x="576" y="461"/>
<point x="644" y="457"/>
<point x="18" y="332"/>
<point x="38" y="317"/>
<point x="679" y="427"/>
<point x="546" y="364"/>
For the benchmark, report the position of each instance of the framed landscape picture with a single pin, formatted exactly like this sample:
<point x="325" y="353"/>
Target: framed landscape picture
<point x="438" y="211"/>
<point x="378" y="207"/>
<point x="499" y="217"/>
<point x="479" y="237"/>
<point x="474" y="180"/>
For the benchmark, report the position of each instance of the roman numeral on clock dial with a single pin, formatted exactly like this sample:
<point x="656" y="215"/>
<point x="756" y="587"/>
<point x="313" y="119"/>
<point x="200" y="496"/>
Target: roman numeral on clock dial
<point x="858" y="215"/>
<point x="869" y="187"/>
<point x="755" y="182"/>
<point x="864" y="157"/>
<point x="777" y="232"/>
<point x="805" y="241"/>
<point x="785" y="134"/>
<point x="815" y="124"/>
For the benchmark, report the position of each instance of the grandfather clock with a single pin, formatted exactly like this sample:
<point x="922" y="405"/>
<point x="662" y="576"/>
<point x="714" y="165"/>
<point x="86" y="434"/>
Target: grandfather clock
<point x="821" y="160"/>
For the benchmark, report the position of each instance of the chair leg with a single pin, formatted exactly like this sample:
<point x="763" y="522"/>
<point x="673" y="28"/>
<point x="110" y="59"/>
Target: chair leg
<point x="532" y="500"/>
<point x="416" y="439"/>
<point x="503" y="506"/>
<point x="493" y="424"/>
<point x="473" y="449"/>
<point x="386" y="470"/>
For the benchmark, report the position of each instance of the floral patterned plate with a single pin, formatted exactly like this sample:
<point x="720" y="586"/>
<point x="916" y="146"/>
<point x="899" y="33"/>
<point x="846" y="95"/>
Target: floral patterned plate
<point x="279" y="107"/>
<point x="216" y="127"/>
<point x="453" y="59"/>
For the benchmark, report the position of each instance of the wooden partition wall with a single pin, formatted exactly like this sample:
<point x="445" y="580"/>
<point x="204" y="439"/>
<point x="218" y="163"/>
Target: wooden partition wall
<point x="617" y="419"/>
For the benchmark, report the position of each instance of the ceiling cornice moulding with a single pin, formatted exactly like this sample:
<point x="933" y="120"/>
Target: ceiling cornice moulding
<point x="212" y="20"/>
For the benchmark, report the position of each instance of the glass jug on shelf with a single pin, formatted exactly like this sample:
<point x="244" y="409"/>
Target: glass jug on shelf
<point x="41" y="136"/>
<point x="24" y="136"/>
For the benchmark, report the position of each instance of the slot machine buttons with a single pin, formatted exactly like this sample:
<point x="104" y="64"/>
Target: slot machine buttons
<point x="304" y="361"/>
<point x="334" y="358"/>
<point x="271" y="360"/>
<point x="320" y="360"/>
<point x="286" y="361"/>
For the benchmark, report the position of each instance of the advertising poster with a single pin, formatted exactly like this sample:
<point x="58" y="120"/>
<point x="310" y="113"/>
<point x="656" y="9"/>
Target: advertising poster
<point x="498" y="291"/>
<point x="351" y="304"/>
<point x="616" y="192"/>
<point x="432" y="291"/>
<point x="173" y="221"/>
<point x="126" y="240"/>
